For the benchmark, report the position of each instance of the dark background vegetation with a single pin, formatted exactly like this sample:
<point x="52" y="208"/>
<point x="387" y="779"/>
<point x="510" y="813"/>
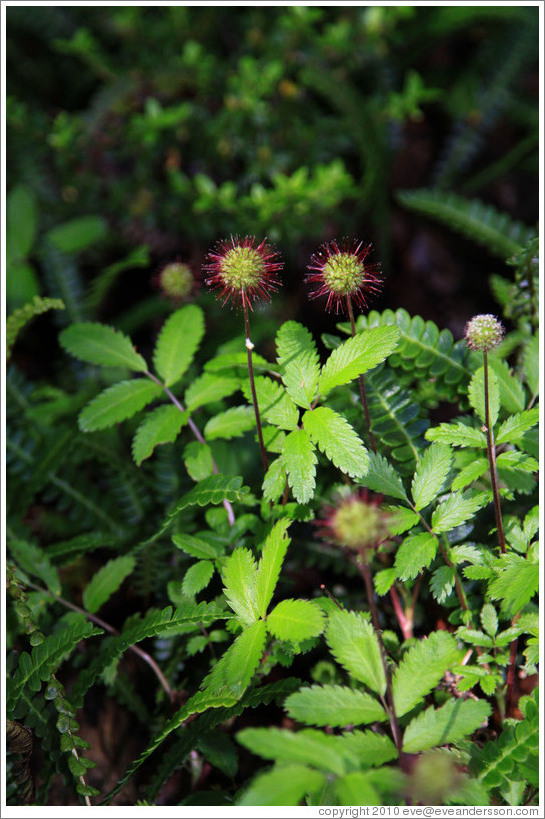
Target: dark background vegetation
<point x="173" y="127"/>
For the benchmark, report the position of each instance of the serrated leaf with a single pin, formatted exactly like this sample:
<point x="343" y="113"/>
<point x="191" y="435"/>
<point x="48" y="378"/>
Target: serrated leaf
<point x="457" y="434"/>
<point x="384" y="580"/>
<point x="299" y="460"/>
<point x="117" y="403"/>
<point x="337" y="439"/>
<point x="20" y="317"/>
<point x="209" y="388"/>
<point x="453" y="721"/>
<point x="161" y="426"/>
<point x="511" y="390"/>
<point x="274" y="788"/>
<point x="442" y="582"/>
<point x="456" y="509"/>
<point x="422" y="667"/>
<point x="516" y="584"/>
<point x="239" y="575"/>
<point x="414" y="554"/>
<point x="400" y="519"/>
<point x="214" y="489"/>
<point x="234" y="670"/>
<point x="298" y="361"/>
<point x="472" y="472"/>
<point x="230" y="424"/>
<point x="476" y="395"/>
<point x="102" y="345"/>
<point x="516" y="425"/>
<point x="274" y="481"/>
<point x="531" y="364"/>
<point x="354" y="645"/>
<point x="178" y="341"/>
<point x="270" y="564"/>
<point x="274" y="403"/>
<point x="295" y="620"/>
<point x="196" y="546"/>
<point x="489" y="619"/>
<point x="334" y="705"/>
<point x="382" y="477"/>
<point x="197" y="577"/>
<point x="107" y="581"/>
<point x="369" y="749"/>
<point x="307" y="746"/>
<point x="357" y="355"/>
<point x="432" y="469"/>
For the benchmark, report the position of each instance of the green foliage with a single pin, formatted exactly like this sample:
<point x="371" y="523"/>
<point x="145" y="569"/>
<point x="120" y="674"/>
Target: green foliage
<point x="179" y="338"/>
<point x="106" y="581"/>
<point x="19" y="318"/>
<point x="99" y="344"/>
<point x="335" y="437"/>
<point x="421" y="669"/>
<point x="357" y="355"/>
<point x="454" y="720"/>
<point x="482" y="223"/>
<point x="333" y="705"/>
<point x="354" y="645"/>
<point x="298" y="362"/>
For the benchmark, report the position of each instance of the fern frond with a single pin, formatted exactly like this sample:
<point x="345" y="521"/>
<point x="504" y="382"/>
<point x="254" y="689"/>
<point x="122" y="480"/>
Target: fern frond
<point x="17" y="320"/>
<point x="482" y="223"/>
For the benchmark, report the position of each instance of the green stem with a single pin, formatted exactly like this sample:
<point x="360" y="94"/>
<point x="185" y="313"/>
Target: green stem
<point x="492" y="458"/>
<point x="363" y="394"/>
<point x="249" y="348"/>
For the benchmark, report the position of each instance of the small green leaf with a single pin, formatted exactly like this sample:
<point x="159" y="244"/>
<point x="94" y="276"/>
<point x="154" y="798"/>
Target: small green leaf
<point x="196" y="546"/>
<point x="511" y="389"/>
<point x="78" y="234"/>
<point x="102" y="345"/>
<point x="400" y="519"/>
<point x="337" y="439"/>
<point x="295" y="620"/>
<point x="198" y="460"/>
<point x="357" y="355"/>
<point x="177" y="343"/>
<point x="270" y="564"/>
<point x="20" y="317"/>
<point x="117" y="403"/>
<point x="230" y="424"/>
<point x="432" y="469"/>
<point x="450" y="723"/>
<point x="307" y="746"/>
<point x="214" y="489"/>
<point x="197" y="577"/>
<point x="516" y="584"/>
<point x="422" y="667"/>
<point x="35" y="562"/>
<point x="472" y="472"/>
<point x="334" y="705"/>
<point x="415" y="553"/>
<point x="299" y="460"/>
<point x="161" y="426"/>
<point x="21" y="221"/>
<point x="107" y="581"/>
<point x="355" y="646"/>
<point x="274" y="403"/>
<point x="382" y="477"/>
<point x="239" y="575"/>
<point x="274" y="481"/>
<point x="531" y="364"/>
<point x="489" y="619"/>
<point x="442" y="582"/>
<point x="516" y="425"/>
<point x="298" y="361"/>
<point x="456" y="509"/>
<point x="234" y="670"/>
<point x="457" y="434"/>
<point x="384" y="580"/>
<point x="209" y="388"/>
<point x="476" y="395"/>
<point x="356" y="788"/>
<point x="274" y="788"/>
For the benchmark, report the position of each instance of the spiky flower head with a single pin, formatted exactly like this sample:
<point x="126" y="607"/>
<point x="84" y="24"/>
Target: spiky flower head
<point x="341" y="271"/>
<point x="484" y="332"/>
<point x="243" y="270"/>
<point x="176" y="280"/>
<point x="356" y="521"/>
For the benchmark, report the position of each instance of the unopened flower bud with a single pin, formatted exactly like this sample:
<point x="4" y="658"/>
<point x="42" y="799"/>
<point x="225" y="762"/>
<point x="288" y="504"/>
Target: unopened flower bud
<point x="484" y="332"/>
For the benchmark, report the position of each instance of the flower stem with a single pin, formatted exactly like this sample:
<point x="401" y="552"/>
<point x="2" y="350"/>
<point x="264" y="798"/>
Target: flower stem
<point x="363" y="394"/>
<point x="492" y="458"/>
<point x="363" y="569"/>
<point x="249" y="348"/>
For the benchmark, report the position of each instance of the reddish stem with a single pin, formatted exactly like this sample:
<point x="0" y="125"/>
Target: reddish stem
<point x="492" y="459"/>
